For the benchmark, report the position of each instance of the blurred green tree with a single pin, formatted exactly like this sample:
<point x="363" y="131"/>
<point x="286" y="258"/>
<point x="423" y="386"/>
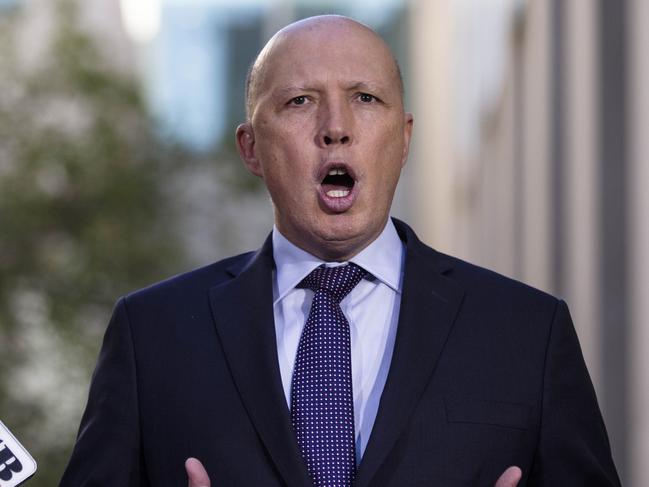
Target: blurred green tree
<point x="85" y="215"/>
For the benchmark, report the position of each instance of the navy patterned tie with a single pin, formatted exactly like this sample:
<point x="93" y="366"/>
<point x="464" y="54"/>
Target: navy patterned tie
<point x="322" y="403"/>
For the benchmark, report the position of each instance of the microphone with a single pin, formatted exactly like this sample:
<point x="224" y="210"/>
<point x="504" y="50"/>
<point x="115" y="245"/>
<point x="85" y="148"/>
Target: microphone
<point x="16" y="464"/>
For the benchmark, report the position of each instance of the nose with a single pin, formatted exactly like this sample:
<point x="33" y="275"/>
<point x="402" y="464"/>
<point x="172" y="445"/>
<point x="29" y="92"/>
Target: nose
<point x="336" y="124"/>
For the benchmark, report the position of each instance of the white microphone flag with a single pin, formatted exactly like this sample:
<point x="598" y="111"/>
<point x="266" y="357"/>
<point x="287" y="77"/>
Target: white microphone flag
<point x="16" y="464"/>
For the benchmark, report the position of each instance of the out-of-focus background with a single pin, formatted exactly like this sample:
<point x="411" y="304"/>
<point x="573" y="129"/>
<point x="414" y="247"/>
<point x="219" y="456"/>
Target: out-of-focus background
<point x="118" y="168"/>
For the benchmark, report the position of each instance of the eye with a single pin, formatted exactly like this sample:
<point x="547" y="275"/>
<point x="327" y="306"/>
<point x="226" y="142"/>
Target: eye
<point x="366" y="98"/>
<point x="298" y="100"/>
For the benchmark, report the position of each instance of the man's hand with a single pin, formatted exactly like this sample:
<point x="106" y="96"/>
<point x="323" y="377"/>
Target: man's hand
<point x="509" y="478"/>
<point x="197" y="475"/>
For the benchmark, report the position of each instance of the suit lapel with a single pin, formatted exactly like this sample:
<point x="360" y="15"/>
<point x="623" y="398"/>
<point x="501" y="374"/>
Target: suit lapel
<point x="242" y="309"/>
<point x="243" y="314"/>
<point x="429" y="305"/>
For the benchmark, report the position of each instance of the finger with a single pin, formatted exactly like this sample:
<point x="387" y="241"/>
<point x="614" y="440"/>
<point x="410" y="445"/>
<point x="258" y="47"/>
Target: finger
<point x="510" y="477"/>
<point x="196" y="473"/>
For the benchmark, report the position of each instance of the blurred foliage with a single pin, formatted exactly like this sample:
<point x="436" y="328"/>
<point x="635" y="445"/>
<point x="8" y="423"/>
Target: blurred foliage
<point x="85" y="215"/>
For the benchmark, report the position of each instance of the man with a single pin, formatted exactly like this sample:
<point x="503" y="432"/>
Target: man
<point x="257" y="370"/>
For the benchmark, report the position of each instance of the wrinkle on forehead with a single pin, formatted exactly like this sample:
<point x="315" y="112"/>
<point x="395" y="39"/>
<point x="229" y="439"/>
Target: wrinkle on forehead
<point x="334" y="25"/>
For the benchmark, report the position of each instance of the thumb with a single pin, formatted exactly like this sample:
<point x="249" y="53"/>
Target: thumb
<point x="510" y="477"/>
<point x="196" y="473"/>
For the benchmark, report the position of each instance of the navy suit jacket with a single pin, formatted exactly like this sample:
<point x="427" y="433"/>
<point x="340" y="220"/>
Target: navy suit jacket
<point x="486" y="373"/>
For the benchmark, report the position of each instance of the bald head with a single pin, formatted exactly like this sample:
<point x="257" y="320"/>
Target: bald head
<point x="325" y="28"/>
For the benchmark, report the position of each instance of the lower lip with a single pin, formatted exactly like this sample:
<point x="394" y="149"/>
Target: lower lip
<point x="337" y="205"/>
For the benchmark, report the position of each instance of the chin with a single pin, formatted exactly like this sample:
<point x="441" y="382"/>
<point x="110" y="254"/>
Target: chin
<point x="343" y="238"/>
<point x="340" y="227"/>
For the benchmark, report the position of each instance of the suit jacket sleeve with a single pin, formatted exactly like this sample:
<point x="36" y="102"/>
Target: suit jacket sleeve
<point x="573" y="445"/>
<point x="107" y="450"/>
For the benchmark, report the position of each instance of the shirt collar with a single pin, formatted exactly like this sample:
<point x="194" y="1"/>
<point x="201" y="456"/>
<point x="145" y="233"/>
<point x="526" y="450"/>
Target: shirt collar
<point x="383" y="258"/>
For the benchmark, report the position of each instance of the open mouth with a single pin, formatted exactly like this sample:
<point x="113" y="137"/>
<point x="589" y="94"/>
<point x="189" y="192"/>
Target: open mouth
<point x="338" y="183"/>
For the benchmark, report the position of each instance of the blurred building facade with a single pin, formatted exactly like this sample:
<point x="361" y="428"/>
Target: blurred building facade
<point x="552" y="191"/>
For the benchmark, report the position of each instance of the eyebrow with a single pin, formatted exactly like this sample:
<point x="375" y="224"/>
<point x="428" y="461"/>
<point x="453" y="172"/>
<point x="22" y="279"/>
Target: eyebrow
<point x="365" y="86"/>
<point x="287" y="91"/>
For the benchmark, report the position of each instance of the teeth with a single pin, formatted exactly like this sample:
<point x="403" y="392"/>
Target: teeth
<point x="337" y="172"/>
<point x="337" y="193"/>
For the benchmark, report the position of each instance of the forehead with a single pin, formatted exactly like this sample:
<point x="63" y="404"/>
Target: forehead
<point x="342" y="52"/>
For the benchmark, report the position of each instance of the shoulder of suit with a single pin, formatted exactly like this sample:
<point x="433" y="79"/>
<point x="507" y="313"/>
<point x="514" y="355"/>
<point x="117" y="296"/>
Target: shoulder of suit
<point x="470" y="277"/>
<point x="480" y="279"/>
<point x="196" y="280"/>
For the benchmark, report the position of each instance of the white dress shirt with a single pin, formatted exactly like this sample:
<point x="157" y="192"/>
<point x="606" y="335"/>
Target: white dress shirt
<point x="371" y="308"/>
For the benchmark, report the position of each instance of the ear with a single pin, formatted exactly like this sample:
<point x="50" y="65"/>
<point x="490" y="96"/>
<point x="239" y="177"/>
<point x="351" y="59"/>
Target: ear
<point x="407" y="134"/>
<point x="246" y="145"/>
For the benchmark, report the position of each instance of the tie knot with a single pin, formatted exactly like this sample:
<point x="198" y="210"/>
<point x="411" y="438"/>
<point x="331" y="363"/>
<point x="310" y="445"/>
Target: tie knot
<point x="336" y="281"/>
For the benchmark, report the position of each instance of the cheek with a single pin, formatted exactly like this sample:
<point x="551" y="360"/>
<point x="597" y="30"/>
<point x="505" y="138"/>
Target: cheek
<point x="284" y="140"/>
<point x="387" y="151"/>
<point x="385" y="173"/>
<point x="287" y="174"/>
